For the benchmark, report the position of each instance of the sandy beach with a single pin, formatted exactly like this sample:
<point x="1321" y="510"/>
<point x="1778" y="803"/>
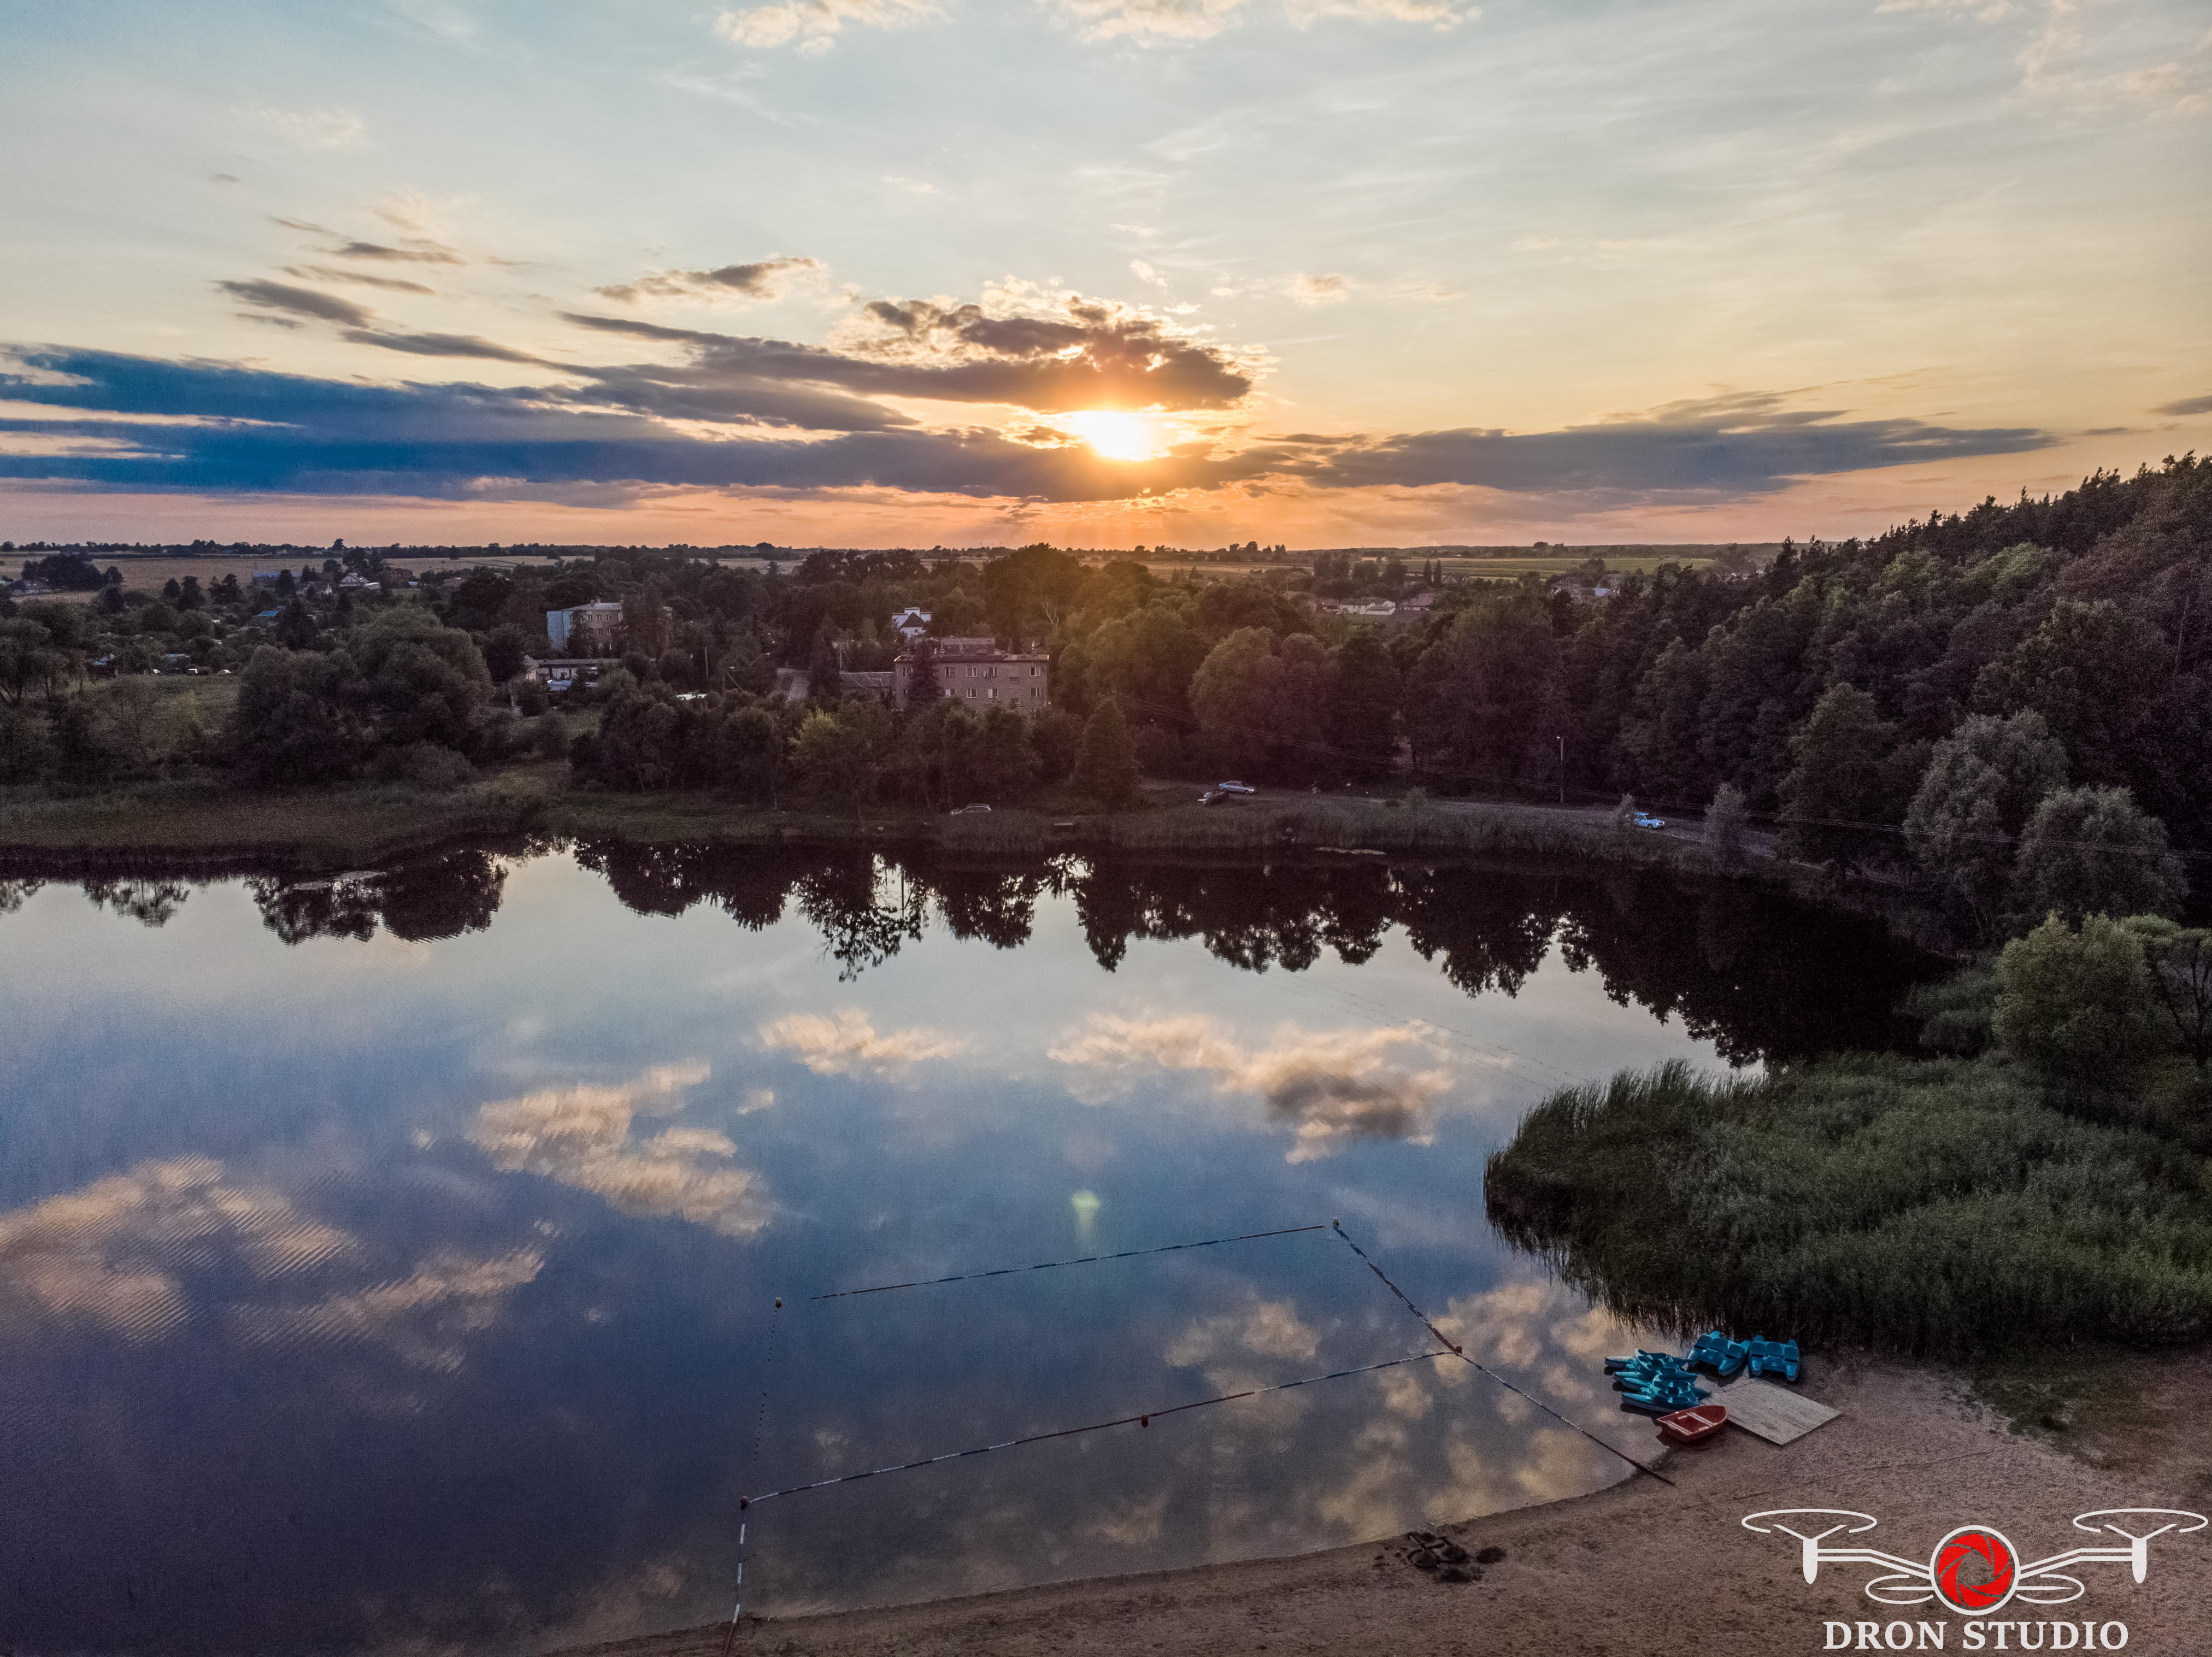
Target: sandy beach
<point x="1645" y="1566"/>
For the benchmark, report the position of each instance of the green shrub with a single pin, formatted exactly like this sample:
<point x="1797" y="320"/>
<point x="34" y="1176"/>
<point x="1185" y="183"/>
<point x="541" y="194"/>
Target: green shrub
<point x="2072" y="1003"/>
<point x="1956" y="1013"/>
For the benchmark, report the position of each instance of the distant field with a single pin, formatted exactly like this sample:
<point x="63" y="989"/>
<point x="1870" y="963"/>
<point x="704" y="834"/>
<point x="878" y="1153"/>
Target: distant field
<point x="146" y="575"/>
<point x="1643" y="561"/>
<point x="1541" y="564"/>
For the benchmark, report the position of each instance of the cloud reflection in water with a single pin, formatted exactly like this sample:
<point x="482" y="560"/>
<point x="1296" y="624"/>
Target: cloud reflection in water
<point x="1331" y="1086"/>
<point x="583" y="1137"/>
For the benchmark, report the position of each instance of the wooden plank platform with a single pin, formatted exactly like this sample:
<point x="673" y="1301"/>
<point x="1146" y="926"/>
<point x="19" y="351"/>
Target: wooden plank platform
<point x="1774" y="1413"/>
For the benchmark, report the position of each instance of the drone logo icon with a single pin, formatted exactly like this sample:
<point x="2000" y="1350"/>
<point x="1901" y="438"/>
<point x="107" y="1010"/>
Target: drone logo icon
<point x="1975" y="1570"/>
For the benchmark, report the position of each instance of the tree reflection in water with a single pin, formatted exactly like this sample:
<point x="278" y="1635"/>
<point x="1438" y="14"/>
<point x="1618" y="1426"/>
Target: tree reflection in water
<point x="1760" y="975"/>
<point x="420" y="900"/>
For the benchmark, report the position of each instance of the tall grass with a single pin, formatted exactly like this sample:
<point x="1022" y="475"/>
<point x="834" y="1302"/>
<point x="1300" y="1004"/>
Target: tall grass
<point x="1416" y="825"/>
<point x="1011" y="832"/>
<point x="1929" y="1206"/>
<point x="205" y="822"/>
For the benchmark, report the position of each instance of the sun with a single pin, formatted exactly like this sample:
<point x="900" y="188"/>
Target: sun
<point x="1117" y="436"/>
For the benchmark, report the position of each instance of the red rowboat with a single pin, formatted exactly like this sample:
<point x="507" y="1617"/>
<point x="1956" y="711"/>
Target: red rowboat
<point x="1700" y="1424"/>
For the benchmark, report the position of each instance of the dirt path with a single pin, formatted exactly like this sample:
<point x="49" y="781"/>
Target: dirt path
<point x="1641" y="1567"/>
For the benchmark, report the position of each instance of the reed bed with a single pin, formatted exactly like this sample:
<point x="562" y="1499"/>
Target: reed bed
<point x="1009" y="833"/>
<point x="1937" y="1206"/>
<point x="1416" y="826"/>
<point x="324" y="828"/>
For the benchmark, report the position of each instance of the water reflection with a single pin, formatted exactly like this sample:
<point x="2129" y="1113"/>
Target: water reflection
<point x="388" y="1259"/>
<point x="1759" y="975"/>
<point x="430" y="898"/>
<point x="1328" y="1085"/>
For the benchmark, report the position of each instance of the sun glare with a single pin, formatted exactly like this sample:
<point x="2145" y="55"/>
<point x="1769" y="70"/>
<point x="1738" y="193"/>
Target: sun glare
<point x="1117" y="436"/>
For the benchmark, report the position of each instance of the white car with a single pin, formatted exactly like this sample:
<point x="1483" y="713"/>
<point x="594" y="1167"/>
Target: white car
<point x="1234" y="787"/>
<point x="973" y="811"/>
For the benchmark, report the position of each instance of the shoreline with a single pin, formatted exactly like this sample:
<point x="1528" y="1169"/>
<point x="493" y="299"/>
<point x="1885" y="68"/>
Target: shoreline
<point x="1637" y="1566"/>
<point x="368" y="820"/>
<point x="207" y="832"/>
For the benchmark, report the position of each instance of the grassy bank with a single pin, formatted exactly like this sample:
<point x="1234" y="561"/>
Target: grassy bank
<point x="187" y="823"/>
<point x="1938" y="1206"/>
<point x="350" y="825"/>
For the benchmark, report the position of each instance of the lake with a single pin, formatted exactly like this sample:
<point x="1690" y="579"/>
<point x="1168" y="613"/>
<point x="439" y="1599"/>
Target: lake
<point x="394" y="1259"/>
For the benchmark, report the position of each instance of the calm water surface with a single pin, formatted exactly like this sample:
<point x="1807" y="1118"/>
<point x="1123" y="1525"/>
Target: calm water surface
<point x="393" y="1259"/>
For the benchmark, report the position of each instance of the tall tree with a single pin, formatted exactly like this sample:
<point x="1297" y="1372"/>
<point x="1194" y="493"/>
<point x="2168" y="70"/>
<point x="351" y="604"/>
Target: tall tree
<point x="295" y="627"/>
<point x="831" y="756"/>
<point x="1725" y="822"/>
<point x="921" y="685"/>
<point x="1476" y="694"/>
<point x="1834" y="803"/>
<point x="1981" y="783"/>
<point x="504" y="655"/>
<point x="824" y="683"/>
<point x="2094" y="852"/>
<point x="1106" y="769"/>
<point x="2178" y="960"/>
<point x="1363" y="695"/>
<point x="2086" y="670"/>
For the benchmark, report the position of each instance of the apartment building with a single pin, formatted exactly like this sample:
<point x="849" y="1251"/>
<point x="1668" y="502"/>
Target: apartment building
<point x="976" y="672"/>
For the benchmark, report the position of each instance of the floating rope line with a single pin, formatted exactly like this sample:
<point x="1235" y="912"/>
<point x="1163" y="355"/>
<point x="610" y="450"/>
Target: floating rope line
<point x="1144" y="1420"/>
<point x="1460" y="1353"/>
<point x="1048" y="1265"/>
<point x="760" y="1434"/>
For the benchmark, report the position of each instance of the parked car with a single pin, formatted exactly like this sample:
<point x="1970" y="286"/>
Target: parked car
<point x="972" y="811"/>
<point x="1215" y="797"/>
<point x="1645" y="819"/>
<point x="1234" y="787"/>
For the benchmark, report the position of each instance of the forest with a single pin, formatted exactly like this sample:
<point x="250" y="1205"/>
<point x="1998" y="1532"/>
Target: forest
<point x="2007" y="704"/>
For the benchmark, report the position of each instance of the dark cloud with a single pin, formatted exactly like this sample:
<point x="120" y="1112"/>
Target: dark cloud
<point x="1089" y="354"/>
<point x="325" y="273"/>
<point x="1720" y="448"/>
<point x="766" y="279"/>
<point x="441" y="345"/>
<point x="301" y="301"/>
<point x="419" y="252"/>
<point x="1092" y="356"/>
<point x="330" y="436"/>
<point x="256" y="430"/>
<point x="2187" y="405"/>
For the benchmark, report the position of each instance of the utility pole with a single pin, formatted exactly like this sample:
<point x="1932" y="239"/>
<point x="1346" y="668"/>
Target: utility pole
<point x="1563" y="770"/>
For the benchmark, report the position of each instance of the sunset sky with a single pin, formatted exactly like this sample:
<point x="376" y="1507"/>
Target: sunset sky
<point x="918" y="272"/>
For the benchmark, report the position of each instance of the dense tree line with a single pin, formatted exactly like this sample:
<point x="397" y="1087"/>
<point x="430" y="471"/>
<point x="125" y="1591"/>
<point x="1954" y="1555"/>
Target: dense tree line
<point x="2011" y="705"/>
